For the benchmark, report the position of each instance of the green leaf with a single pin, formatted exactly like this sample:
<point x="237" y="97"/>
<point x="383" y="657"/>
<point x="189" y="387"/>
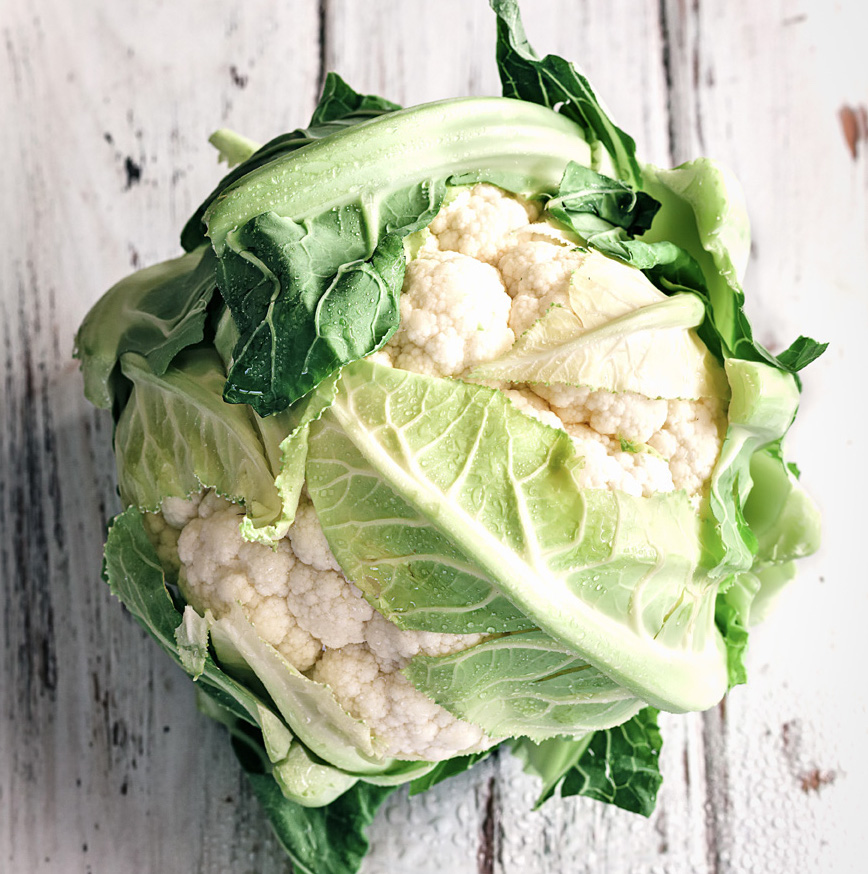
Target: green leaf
<point x="410" y="571"/>
<point x="155" y="312"/>
<point x="486" y="477"/>
<point x="322" y="840"/>
<point x="801" y="352"/>
<point x="551" y="81"/>
<point x="777" y="523"/>
<point x="523" y="684"/>
<point x="177" y="436"/>
<point x="340" y="107"/>
<point x="339" y="101"/>
<point x="589" y="202"/>
<point x="668" y="266"/>
<point x="305" y="301"/>
<point x="671" y="269"/>
<point x="621" y="765"/>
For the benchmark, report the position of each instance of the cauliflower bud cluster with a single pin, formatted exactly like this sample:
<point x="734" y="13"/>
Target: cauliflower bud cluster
<point x="487" y="269"/>
<point x="483" y="272"/>
<point x="298" y="601"/>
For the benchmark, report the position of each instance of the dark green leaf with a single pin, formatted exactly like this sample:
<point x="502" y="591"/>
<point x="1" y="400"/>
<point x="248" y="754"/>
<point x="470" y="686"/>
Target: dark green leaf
<point x="620" y="765"/>
<point x="551" y="81"/>
<point x="801" y="353"/>
<point x="307" y="297"/>
<point x="589" y="202"/>
<point x="339" y="101"/>
<point x="322" y="840"/>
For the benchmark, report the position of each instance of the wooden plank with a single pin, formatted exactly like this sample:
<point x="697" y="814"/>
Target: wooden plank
<point x="106" y="765"/>
<point x="763" y="87"/>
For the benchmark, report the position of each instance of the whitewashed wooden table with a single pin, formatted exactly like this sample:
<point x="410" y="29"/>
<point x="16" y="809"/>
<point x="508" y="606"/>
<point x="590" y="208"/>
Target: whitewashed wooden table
<point x="105" y="107"/>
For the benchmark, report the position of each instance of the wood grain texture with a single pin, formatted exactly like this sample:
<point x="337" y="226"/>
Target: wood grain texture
<point x="105" y="765"/>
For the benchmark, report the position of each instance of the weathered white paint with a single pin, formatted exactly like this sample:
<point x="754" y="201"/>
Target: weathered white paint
<point x="105" y="765"/>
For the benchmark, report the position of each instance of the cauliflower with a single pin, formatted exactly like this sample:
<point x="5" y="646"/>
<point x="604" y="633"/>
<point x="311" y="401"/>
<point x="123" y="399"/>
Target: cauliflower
<point x="485" y="272"/>
<point x="547" y="486"/>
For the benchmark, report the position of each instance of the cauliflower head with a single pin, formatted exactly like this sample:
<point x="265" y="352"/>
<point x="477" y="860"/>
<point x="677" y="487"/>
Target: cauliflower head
<point x="484" y="272"/>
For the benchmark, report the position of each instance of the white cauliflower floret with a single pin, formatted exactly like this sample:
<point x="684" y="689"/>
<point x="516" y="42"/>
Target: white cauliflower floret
<point x="536" y="275"/>
<point x="328" y="606"/>
<point x="650" y="472"/>
<point x="413" y="726"/>
<point x="395" y="646"/>
<point x="179" y="511"/>
<point x="321" y="598"/>
<point x="220" y="568"/>
<point x="534" y="406"/>
<point x="454" y="314"/>
<point x="601" y="468"/>
<point x="478" y="220"/>
<point x="691" y="439"/>
<point x="308" y="539"/>
<point x="624" y="414"/>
